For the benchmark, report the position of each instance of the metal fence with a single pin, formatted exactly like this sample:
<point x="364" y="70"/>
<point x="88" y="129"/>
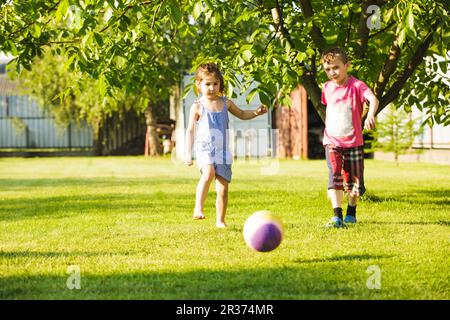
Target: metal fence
<point x="25" y="125"/>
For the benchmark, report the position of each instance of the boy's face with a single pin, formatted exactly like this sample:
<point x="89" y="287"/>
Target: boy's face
<point x="209" y="86"/>
<point x="336" y="70"/>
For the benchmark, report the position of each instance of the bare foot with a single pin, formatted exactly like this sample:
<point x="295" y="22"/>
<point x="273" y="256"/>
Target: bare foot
<point x="221" y="225"/>
<point x="198" y="216"/>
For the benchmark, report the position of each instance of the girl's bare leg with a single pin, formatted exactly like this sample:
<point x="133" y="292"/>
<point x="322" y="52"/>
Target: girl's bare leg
<point x="221" y="201"/>
<point x="208" y="174"/>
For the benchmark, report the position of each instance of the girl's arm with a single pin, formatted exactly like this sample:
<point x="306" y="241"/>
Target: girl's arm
<point x="190" y="131"/>
<point x="245" y="114"/>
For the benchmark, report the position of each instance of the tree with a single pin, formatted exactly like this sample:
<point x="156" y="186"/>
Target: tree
<point x="388" y="52"/>
<point x="397" y="131"/>
<point x="70" y="97"/>
<point x="109" y="49"/>
<point x="134" y="44"/>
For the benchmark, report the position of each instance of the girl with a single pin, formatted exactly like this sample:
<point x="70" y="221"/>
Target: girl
<point x="213" y="156"/>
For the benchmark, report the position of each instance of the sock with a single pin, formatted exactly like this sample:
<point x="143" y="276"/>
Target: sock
<point x="338" y="212"/>
<point x="351" y="211"/>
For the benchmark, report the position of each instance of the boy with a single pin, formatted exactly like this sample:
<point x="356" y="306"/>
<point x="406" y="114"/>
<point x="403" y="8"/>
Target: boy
<point x="344" y="96"/>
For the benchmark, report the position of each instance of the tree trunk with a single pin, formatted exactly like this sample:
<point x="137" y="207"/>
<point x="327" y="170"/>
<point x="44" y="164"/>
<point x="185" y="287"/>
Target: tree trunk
<point x="314" y="94"/>
<point x="174" y="101"/>
<point x="154" y="148"/>
<point x="98" y="139"/>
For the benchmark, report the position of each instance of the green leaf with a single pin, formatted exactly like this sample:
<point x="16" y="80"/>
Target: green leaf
<point x="209" y="4"/>
<point x="230" y="89"/>
<point x="330" y="35"/>
<point x="444" y="66"/>
<point x="247" y="55"/>
<point x="87" y="40"/>
<point x="36" y="31"/>
<point x="388" y="15"/>
<point x="98" y="39"/>
<point x="176" y="13"/>
<point x="198" y="8"/>
<point x="410" y="21"/>
<point x="301" y="56"/>
<point x="251" y="95"/>
<point x="401" y="37"/>
<point x="13" y="48"/>
<point x="355" y="7"/>
<point x="264" y="98"/>
<point x="62" y="10"/>
<point x="101" y="85"/>
<point x="112" y="4"/>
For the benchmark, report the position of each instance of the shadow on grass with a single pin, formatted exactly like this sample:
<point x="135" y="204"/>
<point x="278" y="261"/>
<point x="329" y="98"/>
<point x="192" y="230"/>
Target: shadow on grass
<point x="435" y="197"/>
<point x="352" y="257"/>
<point x="261" y="283"/>
<point x="106" y="182"/>
<point x="153" y="203"/>
<point x="67" y="206"/>
<point x="45" y="254"/>
<point x="424" y="223"/>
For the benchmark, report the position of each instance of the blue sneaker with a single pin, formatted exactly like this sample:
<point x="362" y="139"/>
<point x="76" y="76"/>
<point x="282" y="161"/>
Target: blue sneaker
<point x="335" y="222"/>
<point x="349" y="219"/>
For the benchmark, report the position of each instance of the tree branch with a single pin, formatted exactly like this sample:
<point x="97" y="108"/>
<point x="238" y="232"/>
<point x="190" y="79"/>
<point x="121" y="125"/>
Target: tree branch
<point x="388" y="69"/>
<point x="314" y="93"/>
<point x="32" y="22"/>
<point x="382" y="30"/>
<point x="415" y="60"/>
<point x="316" y="33"/>
<point x="347" y="38"/>
<point x="308" y="79"/>
<point x="277" y="16"/>
<point x="127" y="8"/>
<point x="363" y="31"/>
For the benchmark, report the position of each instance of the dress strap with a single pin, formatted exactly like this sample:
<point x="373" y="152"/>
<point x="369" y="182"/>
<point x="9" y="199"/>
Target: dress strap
<point x="224" y="98"/>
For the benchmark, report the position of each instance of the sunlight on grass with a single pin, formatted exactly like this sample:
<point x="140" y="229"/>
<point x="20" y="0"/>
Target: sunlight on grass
<point x="126" y="223"/>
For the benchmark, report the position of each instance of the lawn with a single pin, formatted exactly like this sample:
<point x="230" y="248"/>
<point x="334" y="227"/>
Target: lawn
<point x="124" y="225"/>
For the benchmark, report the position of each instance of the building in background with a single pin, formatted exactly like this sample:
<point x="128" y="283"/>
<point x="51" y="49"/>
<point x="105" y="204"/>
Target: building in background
<point x="27" y="129"/>
<point x="293" y="132"/>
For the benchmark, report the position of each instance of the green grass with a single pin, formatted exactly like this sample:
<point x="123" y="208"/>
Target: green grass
<point x="126" y="223"/>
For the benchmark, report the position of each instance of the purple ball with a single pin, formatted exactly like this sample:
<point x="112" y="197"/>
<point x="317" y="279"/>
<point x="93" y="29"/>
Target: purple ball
<point x="263" y="231"/>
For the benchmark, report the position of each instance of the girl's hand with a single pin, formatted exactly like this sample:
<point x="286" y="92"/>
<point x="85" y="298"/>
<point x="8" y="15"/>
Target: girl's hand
<point x="188" y="161"/>
<point x="261" y="110"/>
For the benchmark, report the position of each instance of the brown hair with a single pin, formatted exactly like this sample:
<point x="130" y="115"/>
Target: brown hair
<point x="209" y="69"/>
<point x="331" y="54"/>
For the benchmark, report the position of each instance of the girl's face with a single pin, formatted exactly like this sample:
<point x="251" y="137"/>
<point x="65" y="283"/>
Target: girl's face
<point x="209" y="86"/>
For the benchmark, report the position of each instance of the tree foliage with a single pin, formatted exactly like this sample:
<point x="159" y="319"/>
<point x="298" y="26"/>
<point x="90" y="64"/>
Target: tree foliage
<point x="144" y="46"/>
<point x="396" y="132"/>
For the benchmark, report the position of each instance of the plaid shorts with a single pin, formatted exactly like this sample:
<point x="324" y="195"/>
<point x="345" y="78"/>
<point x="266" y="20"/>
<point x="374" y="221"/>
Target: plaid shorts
<point x="346" y="167"/>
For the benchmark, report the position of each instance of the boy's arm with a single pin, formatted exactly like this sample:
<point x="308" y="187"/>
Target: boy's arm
<point x="369" y="124"/>
<point x="193" y="116"/>
<point x="245" y="114"/>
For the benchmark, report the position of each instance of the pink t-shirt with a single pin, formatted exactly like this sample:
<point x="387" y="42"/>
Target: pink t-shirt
<point x="344" y="108"/>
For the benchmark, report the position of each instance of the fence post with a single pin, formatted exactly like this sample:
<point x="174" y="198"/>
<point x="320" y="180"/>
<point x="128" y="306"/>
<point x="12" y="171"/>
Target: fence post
<point x="69" y="135"/>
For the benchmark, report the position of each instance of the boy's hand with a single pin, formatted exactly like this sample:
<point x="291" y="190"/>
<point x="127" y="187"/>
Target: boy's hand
<point x="261" y="110"/>
<point x="369" y="124"/>
<point x="188" y="160"/>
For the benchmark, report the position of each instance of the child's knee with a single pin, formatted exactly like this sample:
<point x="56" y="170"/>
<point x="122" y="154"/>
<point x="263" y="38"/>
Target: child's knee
<point x="222" y="192"/>
<point x="208" y="173"/>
